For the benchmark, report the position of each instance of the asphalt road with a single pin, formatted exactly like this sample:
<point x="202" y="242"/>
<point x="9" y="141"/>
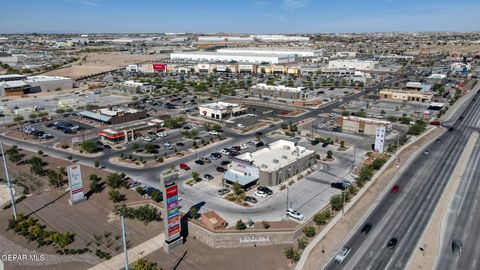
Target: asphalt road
<point x="463" y="218"/>
<point x="404" y="215"/>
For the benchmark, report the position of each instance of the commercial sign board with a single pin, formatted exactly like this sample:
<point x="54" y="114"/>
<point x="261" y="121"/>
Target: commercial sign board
<point x="221" y="68"/>
<point x="171" y="207"/>
<point x="159" y="67"/>
<point x="75" y="183"/>
<point x="379" y="139"/>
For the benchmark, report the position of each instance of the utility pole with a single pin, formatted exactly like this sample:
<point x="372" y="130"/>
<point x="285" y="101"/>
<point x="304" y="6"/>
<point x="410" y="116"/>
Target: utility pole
<point x="287" y="201"/>
<point x="9" y="183"/>
<point x="354" y="157"/>
<point x="124" y="237"/>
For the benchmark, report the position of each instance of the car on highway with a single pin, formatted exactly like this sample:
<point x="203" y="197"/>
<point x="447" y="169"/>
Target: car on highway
<point x="457" y="246"/>
<point x="225" y="162"/>
<point x="342" y="254"/>
<point x="295" y="214"/>
<point x="184" y="166"/>
<point x="339" y="185"/>
<point x="366" y="229"/>
<point x="395" y="189"/>
<point x="208" y="176"/>
<point x="250" y="199"/>
<point x="426" y="152"/>
<point x="260" y="193"/>
<point x="392" y="243"/>
<point x="221" y="169"/>
<point x="451" y="129"/>
<point x="199" y="162"/>
<point x="223" y="191"/>
<point x="265" y="190"/>
<point x="437" y="141"/>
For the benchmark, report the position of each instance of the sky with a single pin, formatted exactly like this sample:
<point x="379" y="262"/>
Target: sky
<point x="238" y="16"/>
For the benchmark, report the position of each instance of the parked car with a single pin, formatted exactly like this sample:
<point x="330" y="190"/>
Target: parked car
<point x="221" y="169"/>
<point x="179" y="144"/>
<point x="265" y="190"/>
<point x="260" y="193"/>
<point x="214" y="132"/>
<point x="426" y="152"/>
<point x="250" y="199"/>
<point x="148" y="139"/>
<point x="206" y="159"/>
<point x="294" y="214"/>
<point x="184" y="166"/>
<point x="339" y="185"/>
<point x="133" y="184"/>
<point x="208" y="176"/>
<point x="162" y="134"/>
<point x="225" y="162"/>
<point x="223" y="191"/>
<point x="392" y="243"/>
<point x="342" y="254"/>
<point x="259" y="144"/>
<point x="199" y="162"/>
<point x="457" y="246"/>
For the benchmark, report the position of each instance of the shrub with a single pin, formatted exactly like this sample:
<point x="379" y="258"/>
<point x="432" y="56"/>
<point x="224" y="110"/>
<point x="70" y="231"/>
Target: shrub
<point x="322" y="218"/>
<point x="292" y="254"/>
<point x="240" y="225"/>
<point x="89" y="146"/>
<point x="302" y="243"/>
<point x="115" y="180"/>
<point x="378" y="163"/>
<point x="309" y="231"/>
<point x="265" y="225"/>
<point x="115" y="196"/>
<point x="337" y="202"/>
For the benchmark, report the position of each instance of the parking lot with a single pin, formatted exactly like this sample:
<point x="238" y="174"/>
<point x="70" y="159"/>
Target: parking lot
<point x="388" y="108"/>
<point x="256" y="114"/>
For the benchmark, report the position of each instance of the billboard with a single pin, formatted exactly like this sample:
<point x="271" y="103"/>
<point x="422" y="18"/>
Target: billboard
<point x="171" y="207"/>
<point x="379" y="139"/>
<point x="159" y="67"/>
<point x="75" y="183"/>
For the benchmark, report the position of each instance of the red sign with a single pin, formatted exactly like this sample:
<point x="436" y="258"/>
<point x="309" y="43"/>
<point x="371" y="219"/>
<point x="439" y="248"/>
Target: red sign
<point x="159" y="67"/>
<point x="172" y="191"/>
<point x="174" y="231"/>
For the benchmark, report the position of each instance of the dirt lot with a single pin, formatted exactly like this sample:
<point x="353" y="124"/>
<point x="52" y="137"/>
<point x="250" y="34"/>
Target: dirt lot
<point x="92" y="222"/>
<point x="195" y="255"/>
<point x="100" y="62"/>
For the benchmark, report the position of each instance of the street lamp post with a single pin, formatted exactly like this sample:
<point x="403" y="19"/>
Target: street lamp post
<point x="287" y="200"/>
<point x="14" y="208"/>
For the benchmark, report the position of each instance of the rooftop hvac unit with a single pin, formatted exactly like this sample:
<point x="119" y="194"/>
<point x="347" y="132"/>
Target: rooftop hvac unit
<point x="275" y="161"/>
<point x="264" y="166"/>
<point x="284" y="157"/>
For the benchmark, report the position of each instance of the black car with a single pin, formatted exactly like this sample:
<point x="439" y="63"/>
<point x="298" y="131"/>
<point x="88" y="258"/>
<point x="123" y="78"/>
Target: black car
<point x="325" y="144"/>
<point x="392" y="243"/>
<point x="221" y="169"/>
<point x="250" y="199"/>
<point x="260" y="144"/>
<point x="366" y="229"/>
<point x="339" y="185"/>
<point x="180" y="144"/>
<point x="457" y="246"/>
<point x="199" y="162"/>
<point x="217" y="155"/>
<point x="106" y="146"/>
<point x="451" y="129"/>
<point x="265" y="189"/>
<point x="208" y="176"/>
<point x="225" y="162"/>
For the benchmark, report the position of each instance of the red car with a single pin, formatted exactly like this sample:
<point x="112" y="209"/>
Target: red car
<point x="284" y="113"/>
<point x="395" y="189"/>
<point x="221" y="169"/>
<point x="184" y="166"/>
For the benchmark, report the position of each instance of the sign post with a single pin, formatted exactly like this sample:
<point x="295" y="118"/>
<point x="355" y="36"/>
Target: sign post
<point x="75" y="183"/>
<point x="171" y="211"/>
<point x="379" y="139"/>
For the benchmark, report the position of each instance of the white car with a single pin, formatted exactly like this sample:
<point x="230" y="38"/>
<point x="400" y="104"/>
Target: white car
<point x="342" y="254"/>
<point x="241" y="126"/>
<point x="213" y="132"/>
<point x="224" y="152"/>
<point x="244" y="146"/>
<point x="260" y="193"/>
<point x="294" y="214"/>
<point x="148" y="139"/>
<point x="162" y="134"/>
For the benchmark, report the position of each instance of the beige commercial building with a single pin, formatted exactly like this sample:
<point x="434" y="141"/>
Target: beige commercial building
<point x="362" y="125"/>
<point x="406" y="95"/>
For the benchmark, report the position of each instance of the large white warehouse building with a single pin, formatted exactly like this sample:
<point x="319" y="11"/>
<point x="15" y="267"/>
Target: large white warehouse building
<point x="272" y="51"/>
<point x="353" y="64"/>
<point x="237" y="57"/>
<point x="279" y="38"/>
<point x="216" y="39"/>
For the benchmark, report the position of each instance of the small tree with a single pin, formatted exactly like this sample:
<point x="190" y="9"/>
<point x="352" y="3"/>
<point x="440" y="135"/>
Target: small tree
<point x="195" y="176"/>
<point x="265" y="224"/>
<point x="302" y="243"/>
<point x="97" y="164"/>
<point x="193" y="212"/>
<point x="89" y="146"/>
<point x="342" y="144"/>
<point x="143" y="264"/>
<point x="237" y="189"/>
<point x="322" y="218"/>
<point x="329" y="154"/>
<point x="337" y="202"/>
<point x="114" y="180"/>
<point x="95" y="186"/>
<point x="36" y="165"/>
<point x="115" y="196"/>
<point x="240" y="225"/>
<point x="156" y="196"/>
<point x="292" y="254"/>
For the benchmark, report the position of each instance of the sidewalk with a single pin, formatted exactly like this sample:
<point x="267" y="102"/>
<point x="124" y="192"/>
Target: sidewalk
<point x="326" y="247"/>
<point x="134" y="254"/>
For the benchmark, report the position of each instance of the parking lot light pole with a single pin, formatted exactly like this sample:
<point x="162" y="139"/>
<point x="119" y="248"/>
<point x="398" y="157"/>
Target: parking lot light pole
<point x="124" y="238"/>
<point x="287" y="201"/>
<point x="9" y="183"/>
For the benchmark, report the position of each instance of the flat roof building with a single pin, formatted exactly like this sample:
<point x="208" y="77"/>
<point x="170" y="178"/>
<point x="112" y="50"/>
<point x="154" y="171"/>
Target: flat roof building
<point x="405" y="95"/>
<point x="275" y="163"/>
<point x="220" y="110"/>
<point x="280" y="91"/>
<point x="362" y="125"/>
<point x="18" y="85"/>
<point x="229" y="57"/>
<point x="353" y="64"/>
<point x="271" y="51"/>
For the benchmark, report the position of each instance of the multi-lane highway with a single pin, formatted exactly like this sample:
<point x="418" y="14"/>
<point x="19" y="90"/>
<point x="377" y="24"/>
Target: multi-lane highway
<point x="461" y="222"/>
<point x="405" y="214"/>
